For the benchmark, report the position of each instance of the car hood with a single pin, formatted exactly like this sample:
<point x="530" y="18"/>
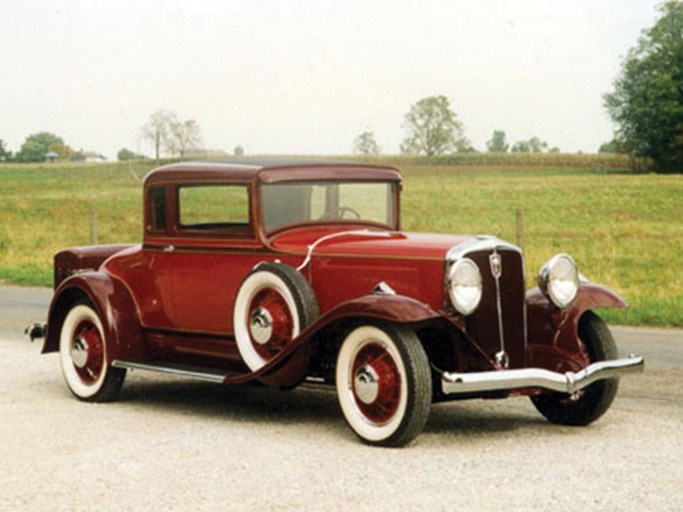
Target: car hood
<point x="367" y="242"/>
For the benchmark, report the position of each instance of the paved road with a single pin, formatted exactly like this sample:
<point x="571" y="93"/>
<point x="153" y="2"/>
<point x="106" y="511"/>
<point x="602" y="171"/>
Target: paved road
<point x="178" y="445"/>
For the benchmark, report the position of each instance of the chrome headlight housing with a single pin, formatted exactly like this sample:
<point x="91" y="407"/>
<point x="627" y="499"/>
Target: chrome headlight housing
<point x="464" y="285"/>
<point x="559" y="280"/>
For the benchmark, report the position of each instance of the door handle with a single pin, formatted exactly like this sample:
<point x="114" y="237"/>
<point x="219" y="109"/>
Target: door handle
<point x="169" y="248"/>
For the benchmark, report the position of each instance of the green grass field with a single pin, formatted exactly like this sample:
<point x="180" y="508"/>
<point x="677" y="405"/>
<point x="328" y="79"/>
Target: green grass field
<point x="624" y="230"/>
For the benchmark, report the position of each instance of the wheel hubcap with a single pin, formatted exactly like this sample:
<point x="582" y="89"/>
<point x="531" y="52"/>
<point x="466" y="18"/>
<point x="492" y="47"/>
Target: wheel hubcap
<point x="376" y="383"/>
<point x="87" y="352"/>
<point x="271" y="325"/>
<point x="261" y="326"/>
<point x="79" y="352"/>
<point x="366" y="384"/>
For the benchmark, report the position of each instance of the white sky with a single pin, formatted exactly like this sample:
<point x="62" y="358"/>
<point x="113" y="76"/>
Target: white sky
<point x="306" y="77"/>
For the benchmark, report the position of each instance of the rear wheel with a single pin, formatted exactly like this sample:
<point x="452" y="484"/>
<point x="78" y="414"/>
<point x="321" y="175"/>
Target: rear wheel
<point x="83" y="356"/>
<point x="384" y="384"/>
<point x="587" y="405"/>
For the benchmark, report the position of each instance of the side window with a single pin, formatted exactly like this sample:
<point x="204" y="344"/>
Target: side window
<point x="213" y="207"/>
<point x="156" y="200"/>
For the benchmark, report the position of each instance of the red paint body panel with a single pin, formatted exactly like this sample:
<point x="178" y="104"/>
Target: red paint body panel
<point x="553" y="333"/>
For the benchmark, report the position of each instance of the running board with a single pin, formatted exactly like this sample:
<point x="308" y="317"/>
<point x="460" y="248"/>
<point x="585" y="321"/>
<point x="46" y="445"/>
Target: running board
<point x="198" y="373"/>
<point x="201" y="373"/>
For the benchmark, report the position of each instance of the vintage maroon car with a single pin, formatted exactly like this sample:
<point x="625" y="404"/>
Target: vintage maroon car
<point x="287" y="272"/>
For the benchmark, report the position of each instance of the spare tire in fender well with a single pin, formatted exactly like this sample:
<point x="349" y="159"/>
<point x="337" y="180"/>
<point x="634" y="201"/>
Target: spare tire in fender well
<point x="296" y="300"/>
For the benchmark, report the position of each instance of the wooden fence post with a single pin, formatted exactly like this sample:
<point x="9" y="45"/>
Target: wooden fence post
<point x="519" y="217"/>
<point x="93" y="226"/>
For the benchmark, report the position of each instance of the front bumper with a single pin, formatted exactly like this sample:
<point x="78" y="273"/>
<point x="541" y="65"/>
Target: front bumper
<point x="570" y="382"/>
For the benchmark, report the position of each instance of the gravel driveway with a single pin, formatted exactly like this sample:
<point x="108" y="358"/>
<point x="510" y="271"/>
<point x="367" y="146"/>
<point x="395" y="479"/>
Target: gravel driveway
<point x="172" y="444"/>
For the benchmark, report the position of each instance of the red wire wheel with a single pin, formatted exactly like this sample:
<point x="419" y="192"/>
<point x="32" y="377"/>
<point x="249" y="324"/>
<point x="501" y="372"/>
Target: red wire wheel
<point x="87" y="351"/>
<point x="376" y="383"/>
<point x="83" y="356"/>
<point x="271" y="324"/>
<point x="384" y="384"/>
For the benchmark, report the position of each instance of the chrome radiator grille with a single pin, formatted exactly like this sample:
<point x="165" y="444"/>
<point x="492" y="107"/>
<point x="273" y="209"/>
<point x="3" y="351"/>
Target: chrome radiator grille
<point x="498" y="325"/>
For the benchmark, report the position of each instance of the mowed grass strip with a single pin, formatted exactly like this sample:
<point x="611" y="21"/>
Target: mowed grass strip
<point x="624" y="230"/>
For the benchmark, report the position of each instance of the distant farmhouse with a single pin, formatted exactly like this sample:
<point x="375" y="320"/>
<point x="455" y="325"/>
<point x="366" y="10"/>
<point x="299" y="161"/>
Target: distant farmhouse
<point x="89" y="157"/>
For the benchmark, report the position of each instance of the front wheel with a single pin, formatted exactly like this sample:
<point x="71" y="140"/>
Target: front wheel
<point x="384" y="384"/>
<point x="83" y="356"/>
<point x="587" y="405"/>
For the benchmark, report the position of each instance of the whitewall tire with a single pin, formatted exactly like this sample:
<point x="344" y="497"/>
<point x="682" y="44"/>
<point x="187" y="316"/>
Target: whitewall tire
<point x="383" y="384"/>
<point x="83" y="356"/>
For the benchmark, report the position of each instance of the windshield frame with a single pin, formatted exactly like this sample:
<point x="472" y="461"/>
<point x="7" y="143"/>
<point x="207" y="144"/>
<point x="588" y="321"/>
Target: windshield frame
<point x="393" y="195"/>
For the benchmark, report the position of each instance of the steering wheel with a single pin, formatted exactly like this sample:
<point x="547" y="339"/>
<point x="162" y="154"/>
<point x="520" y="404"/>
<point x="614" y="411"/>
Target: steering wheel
<point x="343" y="209"/>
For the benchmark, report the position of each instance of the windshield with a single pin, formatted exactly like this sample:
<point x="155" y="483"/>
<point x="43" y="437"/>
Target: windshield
<point x="301" y="202"/>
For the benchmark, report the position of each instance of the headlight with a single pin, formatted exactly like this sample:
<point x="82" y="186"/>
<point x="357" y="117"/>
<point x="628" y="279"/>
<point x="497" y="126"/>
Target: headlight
<point x="464" y="285"/>
<point x="559" y="280"/>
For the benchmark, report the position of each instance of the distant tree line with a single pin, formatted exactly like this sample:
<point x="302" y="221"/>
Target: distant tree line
<point x="39" y="147"/>
<point x="433" y="129"/>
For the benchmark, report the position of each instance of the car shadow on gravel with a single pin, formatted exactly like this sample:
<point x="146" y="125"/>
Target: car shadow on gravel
<point x="480" y="418"/>
<point x="242" y="402"/>
<point x="254" y="403"/>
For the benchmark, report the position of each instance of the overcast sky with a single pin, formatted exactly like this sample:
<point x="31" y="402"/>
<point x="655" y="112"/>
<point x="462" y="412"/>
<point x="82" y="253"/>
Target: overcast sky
<point x="306" y="77"/>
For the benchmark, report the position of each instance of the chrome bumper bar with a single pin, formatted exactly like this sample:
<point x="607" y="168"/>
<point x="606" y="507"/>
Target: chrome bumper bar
<point x="570" y="382"/>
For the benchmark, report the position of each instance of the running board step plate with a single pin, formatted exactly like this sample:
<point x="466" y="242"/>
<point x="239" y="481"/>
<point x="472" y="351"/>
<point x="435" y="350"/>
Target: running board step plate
<point x="191" y="372"/>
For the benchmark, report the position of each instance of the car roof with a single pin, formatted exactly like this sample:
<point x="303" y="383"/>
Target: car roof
<point x="271" y="170"/>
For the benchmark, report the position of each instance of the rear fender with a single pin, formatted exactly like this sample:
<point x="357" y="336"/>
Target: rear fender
<point x="114" y="305"/>
<point x="550" y="327"/>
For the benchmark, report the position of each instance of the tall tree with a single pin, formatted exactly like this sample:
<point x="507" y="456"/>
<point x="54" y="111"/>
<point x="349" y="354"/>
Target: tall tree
<point x="498" y="142"/>
<point x="521" y="146"/>
<point x="433" y="128"/>
<point x="156" y="130"/>
<point x="612" y="146"/>
<point x="182" y="137"/>
<point x="537" y="145"/>
<point x="126" y="154"/>
<point x="64" y="151"/>
<point x="647" y="101"/>
<point x="532" y="145"/>
<point x="36" y="146"/>
<point x="5" y="154"/>
<point x="365" y="144"/>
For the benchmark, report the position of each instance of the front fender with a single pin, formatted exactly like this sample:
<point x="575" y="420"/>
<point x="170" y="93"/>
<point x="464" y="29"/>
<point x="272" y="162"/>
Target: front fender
<point x="114" y="305"/>
<point x="391" y="308"/>
<point x="550" y="326"/>
<point x="286" y="369"/>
